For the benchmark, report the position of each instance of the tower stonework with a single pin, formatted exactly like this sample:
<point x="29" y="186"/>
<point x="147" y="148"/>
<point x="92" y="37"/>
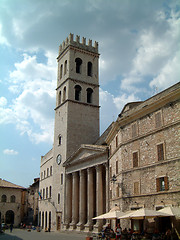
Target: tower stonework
<point x="76" y="111"/>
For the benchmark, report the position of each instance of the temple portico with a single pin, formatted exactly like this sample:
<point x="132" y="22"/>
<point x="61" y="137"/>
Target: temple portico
<point x="86" y="190"/>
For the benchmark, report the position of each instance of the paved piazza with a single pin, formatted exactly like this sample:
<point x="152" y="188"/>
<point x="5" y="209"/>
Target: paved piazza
<point x="18" y="234"/>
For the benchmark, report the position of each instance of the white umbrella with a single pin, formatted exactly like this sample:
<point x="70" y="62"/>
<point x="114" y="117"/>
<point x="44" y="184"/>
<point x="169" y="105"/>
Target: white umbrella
<point x="143" y="213"/>
<point x="172" y="211"/>
<point x="112" y="214"/>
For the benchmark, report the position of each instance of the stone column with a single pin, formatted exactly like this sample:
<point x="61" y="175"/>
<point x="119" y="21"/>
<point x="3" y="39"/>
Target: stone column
<point x="90" y="206"/>
<point x="82" y="200"/>
<point x="68" y="199"/>
<point x="75" y="200"/>
<point x="99" y="197"/>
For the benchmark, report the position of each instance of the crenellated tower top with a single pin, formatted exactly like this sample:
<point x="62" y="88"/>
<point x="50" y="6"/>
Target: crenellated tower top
<point x="76" y="43"/>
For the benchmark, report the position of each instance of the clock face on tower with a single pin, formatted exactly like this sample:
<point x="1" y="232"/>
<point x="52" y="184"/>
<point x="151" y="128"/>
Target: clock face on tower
<point x="58" y="159"/>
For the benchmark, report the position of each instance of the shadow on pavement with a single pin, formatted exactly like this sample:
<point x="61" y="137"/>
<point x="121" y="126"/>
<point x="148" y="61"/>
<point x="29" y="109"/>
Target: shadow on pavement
<point x="7" y="236"/>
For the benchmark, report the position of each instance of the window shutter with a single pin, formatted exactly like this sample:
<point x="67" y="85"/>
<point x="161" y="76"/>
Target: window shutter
<point x="158" y="119"/>
<point x="135" y="159"/>
<point x="116" y="167"/>
<point x="160" y="151"/>
<point x="136" y="188"/>
<point x="117" y="191"/>
<point x="166" y="183"/>
<point x="134" y="130"/>
<point x="158" y="184"/>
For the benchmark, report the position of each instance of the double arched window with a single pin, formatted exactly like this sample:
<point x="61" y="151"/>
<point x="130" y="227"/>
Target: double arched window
<point x="61" y="71"/>
<point x="59" y="98"/>
<point x="77" y="93"/>
<point x="89" y="69"/>
<point x="64" y="94"/>
<point x="65" y="67"/>
<point x="89" y="95"/>
<point x="78" y="65"/>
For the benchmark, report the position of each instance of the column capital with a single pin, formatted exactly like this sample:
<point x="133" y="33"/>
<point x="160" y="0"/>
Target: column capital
<point x="98" y="168"/>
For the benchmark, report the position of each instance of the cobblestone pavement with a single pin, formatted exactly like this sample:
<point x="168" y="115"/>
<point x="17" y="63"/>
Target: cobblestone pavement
<point x="19" y="234"/>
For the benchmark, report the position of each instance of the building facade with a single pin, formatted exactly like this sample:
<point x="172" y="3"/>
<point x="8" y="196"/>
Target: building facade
<point x="76" y="123"/>
<point x="32" y="202"/>
<point x="145" y="154"/>
<point x="13" y="199"/>
<point x="134" y="163"/>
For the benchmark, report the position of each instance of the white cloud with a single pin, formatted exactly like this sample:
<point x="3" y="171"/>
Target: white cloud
<point x="157" y="57"/>
<point x="10" y="152"/>
<point x="3" y="39"/>
<point x="3" y="101"/>
<point x="32" y="110"/>
<point x="111" y="106"/>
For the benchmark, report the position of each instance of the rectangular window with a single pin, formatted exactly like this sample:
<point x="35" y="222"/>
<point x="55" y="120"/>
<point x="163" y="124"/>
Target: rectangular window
<point x="44" y="173"/>
<point x="158" y="121"/>
<point x="134" y="130"/>
<point x="162" y="184"/>
<point x="58" y="198"/>
<point x="117" y="191"/>
<point x="61" y="178"/>
<point x="116" y="166"/>
<point x="160" y="152"/>
<point x="135" y="159"/>
<point x="47" y="192"/>
<point x="47" y="172"/>
<point x="51" y="171"/>
<point x="136" y="188"/>
<point x="43" y="193"/>
<point x="50" y="189"/>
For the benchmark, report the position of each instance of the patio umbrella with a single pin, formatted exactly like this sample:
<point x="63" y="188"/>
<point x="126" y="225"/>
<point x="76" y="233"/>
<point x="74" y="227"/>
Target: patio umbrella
<point x="172" y="211"/>
<point x="114" y="213"/>
<point x="143" y="213"/>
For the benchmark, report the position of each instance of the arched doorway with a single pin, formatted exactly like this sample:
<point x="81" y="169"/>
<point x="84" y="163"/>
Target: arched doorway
<point x="10" y="217"/>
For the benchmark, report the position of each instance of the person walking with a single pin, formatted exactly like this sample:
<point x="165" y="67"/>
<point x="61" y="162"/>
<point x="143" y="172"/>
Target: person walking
<point x="118" y="231"/>
<point x="11" y="227"/>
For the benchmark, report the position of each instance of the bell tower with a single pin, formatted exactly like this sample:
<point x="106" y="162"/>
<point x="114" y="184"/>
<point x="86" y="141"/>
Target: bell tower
<point x="77" y="106"/>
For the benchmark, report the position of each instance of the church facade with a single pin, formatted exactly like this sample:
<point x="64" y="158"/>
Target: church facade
<point x="84" y="174"/>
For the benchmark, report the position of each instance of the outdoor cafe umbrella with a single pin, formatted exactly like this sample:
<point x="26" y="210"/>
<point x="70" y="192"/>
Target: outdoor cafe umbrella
<point x="172" y="211"/>
<point x="114" y="213"/>
<point x="143" y="213"/>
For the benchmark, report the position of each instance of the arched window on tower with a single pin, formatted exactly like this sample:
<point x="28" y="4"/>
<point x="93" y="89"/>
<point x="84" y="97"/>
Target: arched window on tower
<point x="65" y="67"/>
<point x="89" y="69"/>
<point x="89" y="95"/>
<point x="61" y="70"/>
<point x="77" y="92"/>
<point x="59" y="98"/>
<point x="78" y="65"/>
<point x="64" y="94"/>
<point x="59" y="139"/>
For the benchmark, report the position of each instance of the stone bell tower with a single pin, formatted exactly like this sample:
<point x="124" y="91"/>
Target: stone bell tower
<point x="77" y="107"/>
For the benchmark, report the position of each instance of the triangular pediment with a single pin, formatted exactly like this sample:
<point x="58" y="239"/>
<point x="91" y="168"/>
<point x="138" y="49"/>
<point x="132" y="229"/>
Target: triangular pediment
<point x="85" y="153"/>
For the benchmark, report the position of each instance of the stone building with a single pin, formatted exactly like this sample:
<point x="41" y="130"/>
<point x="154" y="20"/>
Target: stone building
<point x="68" y="169"/>
<point x="32" y="202"/>
<point x="76" y="174"/>
<point x="144" y="160"/>
<point x="13" y="206"/>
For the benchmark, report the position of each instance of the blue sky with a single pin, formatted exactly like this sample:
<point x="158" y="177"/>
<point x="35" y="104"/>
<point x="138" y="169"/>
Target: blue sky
<point x="139" y="43"/>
